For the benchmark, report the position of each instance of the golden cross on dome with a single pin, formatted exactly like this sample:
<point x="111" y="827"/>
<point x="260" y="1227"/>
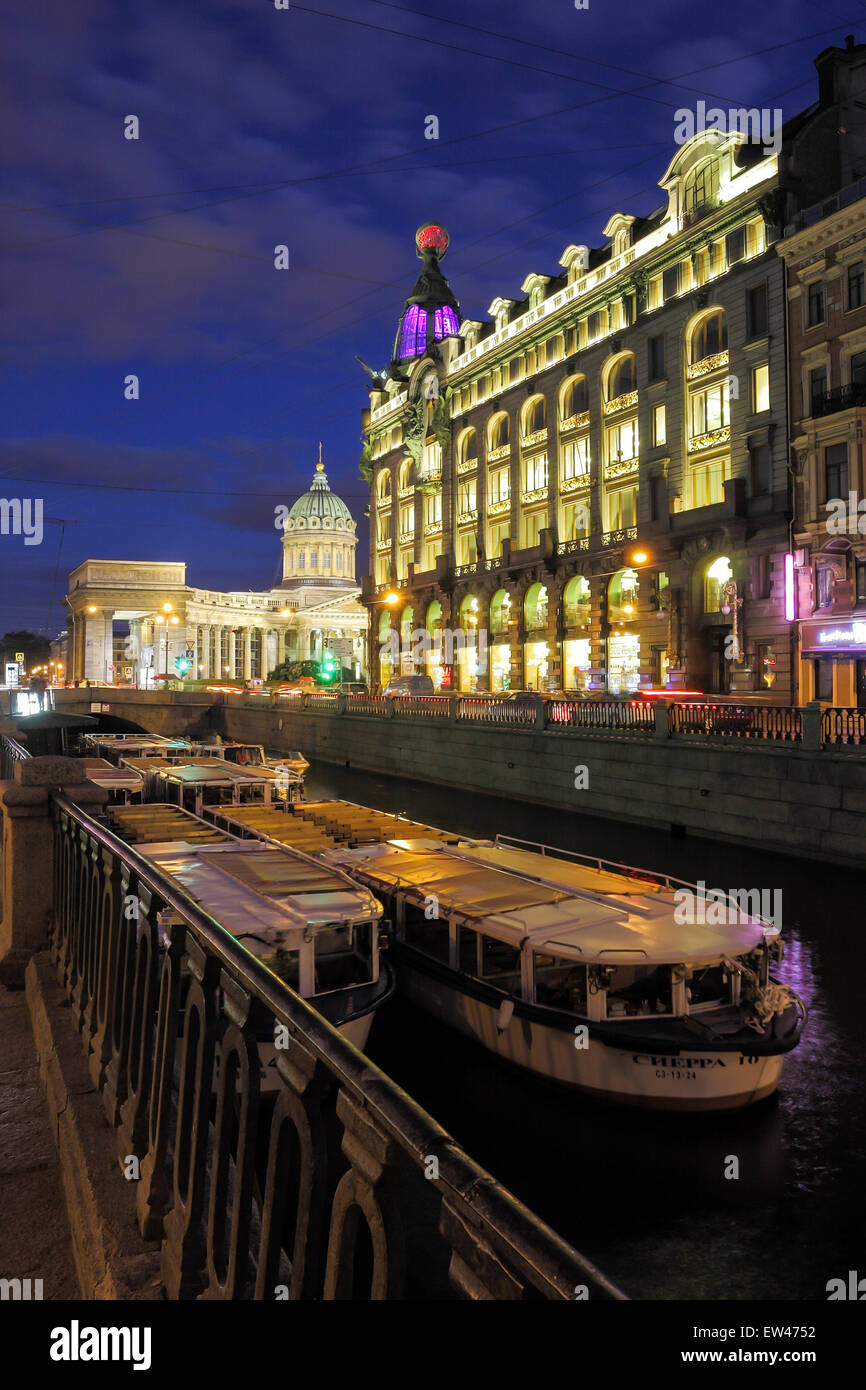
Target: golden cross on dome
<point x="320" y="467"/>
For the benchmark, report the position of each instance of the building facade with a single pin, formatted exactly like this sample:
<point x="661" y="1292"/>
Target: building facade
<point x="224" y="635"/>
<point x="597" y="477"/>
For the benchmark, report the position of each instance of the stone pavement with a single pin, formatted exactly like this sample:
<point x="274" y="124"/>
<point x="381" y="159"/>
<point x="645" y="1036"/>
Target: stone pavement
<point x="34" y="1232"/>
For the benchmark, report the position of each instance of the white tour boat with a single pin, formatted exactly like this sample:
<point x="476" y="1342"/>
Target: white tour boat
<point x="310" y="923"/>
<point x="582" y="972"/>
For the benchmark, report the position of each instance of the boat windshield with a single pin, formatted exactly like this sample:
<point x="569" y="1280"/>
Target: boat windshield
<point x="344" y="956"/>
<point x="560" y="984"/>
<point x="246" y="755"/>
<point x="639" y="989"/>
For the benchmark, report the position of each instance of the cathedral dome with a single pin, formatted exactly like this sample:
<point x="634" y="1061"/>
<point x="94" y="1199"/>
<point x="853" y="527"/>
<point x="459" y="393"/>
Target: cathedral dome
<point x="320" y="501"/>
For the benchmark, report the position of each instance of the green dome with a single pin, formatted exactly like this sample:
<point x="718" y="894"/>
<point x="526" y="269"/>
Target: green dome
<point x="320" y="501"/>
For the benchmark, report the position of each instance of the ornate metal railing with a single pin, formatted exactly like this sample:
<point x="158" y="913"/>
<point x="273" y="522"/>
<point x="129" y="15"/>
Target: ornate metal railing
<point x="423" y="706"/>
<point x="486" y="709"/>
<point x="11" y="752"/>
<point x="774" y="723"/>
<point x="606" y="715"/>
<point x="366" y="704"/>
<point x="248" y="1201"/>
<point x="847" y="726"/>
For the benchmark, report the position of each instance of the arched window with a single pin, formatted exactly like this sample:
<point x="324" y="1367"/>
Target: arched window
<point x="534" y="415"/>
<point x="404" y="478"/>
<point x="576" y="601"/>
<point x="407" y="623"/>
<point x="701" y="188"/>
<point x="709" y="336"/>
<point x="622" y="596"/>
<point x="498" y="432"/>
<point x="717" y="576"/>
<point x="434" y="617"/>
<point x="535" y="607"/>
<point x="383" y="485"/>
<point x="384" y="626"/>
<point x="621" y="376"/>
<point x="469" y="613"/>
<point x="500" y="612"/>
<point x="468" y="448"/>
<point x="575" y="399"/>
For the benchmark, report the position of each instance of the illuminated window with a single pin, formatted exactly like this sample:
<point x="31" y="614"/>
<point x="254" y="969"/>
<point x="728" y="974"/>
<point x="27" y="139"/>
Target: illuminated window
<point x="575" y="459"/>
<point x="413" y="337"/>
<point x="621" y="378"/>
<point x="535" y="416"/>
<point x="499" y="485"/>
<point x="622" y="508"/>
<point x="706" y="483"/>
<point x="574" y="398"/>
<point x="535" y="471"/>
<point x="701" y="188"/>
<point x="718" y="574"/>
<point x="622" y="442"/>
<point x="710" y="409"/>
<point x="710" y="336"/>
<point x="761" y="388"/>
<point x="659" y="426"/>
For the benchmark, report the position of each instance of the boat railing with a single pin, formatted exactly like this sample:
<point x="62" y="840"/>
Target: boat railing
<point x="608" y="865"/>
<point x="171" y="1009"/>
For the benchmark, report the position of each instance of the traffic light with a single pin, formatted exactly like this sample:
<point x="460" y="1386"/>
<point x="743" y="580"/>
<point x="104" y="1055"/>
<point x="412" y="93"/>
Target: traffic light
<point x="329" y="668"/>
<point x="182" y="664"/>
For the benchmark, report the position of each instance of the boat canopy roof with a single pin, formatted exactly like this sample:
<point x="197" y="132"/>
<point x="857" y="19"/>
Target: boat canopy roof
<point x="586" y="914"/>
<point x="263" y="895"/>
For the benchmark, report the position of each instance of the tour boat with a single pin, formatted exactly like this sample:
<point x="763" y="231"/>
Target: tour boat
<point x="310" y="923"/>
<point x="250" y="755"/>
<point x="113" y="747"/>
<point x="582" y="971"/>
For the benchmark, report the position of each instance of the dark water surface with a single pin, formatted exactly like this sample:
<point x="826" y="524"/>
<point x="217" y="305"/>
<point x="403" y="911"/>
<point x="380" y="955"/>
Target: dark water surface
<point x="644" y="1195"/>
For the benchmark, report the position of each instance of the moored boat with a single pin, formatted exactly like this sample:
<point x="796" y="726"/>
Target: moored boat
<point x="582" y="972"/>
<point x="310" y="923"/>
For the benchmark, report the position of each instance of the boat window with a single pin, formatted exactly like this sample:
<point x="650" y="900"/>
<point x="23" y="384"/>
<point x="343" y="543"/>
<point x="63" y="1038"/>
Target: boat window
<point x="639" y="989"/>
<point x="500" y="963"/>
<point x="559" y="983"/>
<point x="708" y="984"/>
<point x="467" y="946"/>
<point x="426" y="934"/>
<point x="285" y="964"/>
<point x="344" y="956"/>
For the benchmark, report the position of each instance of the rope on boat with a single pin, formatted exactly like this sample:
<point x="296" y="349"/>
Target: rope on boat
<point x="766" y="1001"/>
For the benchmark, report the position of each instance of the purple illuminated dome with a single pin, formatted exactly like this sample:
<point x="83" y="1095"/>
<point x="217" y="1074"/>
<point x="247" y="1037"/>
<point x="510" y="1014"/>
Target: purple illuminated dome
<point x="431" y="312"/>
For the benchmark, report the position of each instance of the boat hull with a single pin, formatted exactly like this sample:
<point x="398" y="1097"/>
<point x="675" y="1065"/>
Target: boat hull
<point x="691" y="1077"/>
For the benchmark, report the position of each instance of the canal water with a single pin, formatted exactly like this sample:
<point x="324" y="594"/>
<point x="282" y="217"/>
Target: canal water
<point x="645" y="1195"/>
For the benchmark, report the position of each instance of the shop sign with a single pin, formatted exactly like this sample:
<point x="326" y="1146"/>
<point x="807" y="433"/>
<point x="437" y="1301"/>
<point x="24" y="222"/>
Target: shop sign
<point x="831" y="637"/>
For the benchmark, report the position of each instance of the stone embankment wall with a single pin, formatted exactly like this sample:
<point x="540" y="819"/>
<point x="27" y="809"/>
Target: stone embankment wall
<point x="781" y="796"/>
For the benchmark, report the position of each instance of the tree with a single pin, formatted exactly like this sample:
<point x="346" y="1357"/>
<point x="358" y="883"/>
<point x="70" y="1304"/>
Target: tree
<point x="293" y="670"/>
<point x="36" y="649"/>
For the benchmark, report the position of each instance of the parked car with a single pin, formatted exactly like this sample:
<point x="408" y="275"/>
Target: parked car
<point x="355" y="688"/>
<point x="410" y="685"/>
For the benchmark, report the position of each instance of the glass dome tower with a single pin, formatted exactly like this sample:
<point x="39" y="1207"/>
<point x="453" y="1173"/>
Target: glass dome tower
<point x="431" y="312"/>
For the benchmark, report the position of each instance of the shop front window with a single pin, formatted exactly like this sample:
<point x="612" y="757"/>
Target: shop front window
<point x="536" y="665"/>
<point x="623" y="663"/>
<point x="766" y="656"/>
<point x="576" y="663"/>
<point x="623" y="596"/>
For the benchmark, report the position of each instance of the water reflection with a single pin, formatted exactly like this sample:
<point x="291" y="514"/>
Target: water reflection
<point x="645" y="1195"/>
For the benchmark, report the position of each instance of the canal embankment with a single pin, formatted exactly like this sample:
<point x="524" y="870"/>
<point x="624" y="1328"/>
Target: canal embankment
<point x="803" y="798"/>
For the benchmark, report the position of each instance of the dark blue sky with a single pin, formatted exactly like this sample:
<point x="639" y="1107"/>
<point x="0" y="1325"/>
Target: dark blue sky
<point x="302" y="127"/>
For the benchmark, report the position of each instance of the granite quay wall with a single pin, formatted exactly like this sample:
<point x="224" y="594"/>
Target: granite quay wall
<point x="794" y="797"/>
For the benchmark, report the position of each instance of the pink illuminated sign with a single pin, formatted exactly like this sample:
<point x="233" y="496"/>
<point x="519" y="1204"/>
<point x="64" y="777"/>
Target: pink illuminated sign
<point x="789" y="588"/>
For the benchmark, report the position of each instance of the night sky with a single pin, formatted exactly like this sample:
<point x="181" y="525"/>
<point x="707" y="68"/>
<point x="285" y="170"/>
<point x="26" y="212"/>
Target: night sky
<point x="302" y="127"/>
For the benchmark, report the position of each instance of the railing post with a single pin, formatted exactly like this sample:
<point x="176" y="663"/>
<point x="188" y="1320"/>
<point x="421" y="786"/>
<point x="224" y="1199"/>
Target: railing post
<point x="452" y="708"/>
<point x="28" y="855"/>
<point x="812" y="726"/>
<point x="340" y="707"/>
<point x="540" y="711"/>
<point x="661" y="720"/>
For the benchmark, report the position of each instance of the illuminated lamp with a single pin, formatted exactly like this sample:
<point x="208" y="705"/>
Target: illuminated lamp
<point x="639" y="557"/>
<point x="431" y="236"/>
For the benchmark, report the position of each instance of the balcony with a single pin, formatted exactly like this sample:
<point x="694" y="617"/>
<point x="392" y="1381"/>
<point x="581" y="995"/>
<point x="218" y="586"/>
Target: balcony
<point x="535" y="494"/>
<point x="433" y="528"/>
<point x="501" y="507"/>
<point x="382" y="546"/>
<point x="708" y="364"/>
<point x="464" y="518"/>
<point x="620" y="468"/>
<point x="843" y="398"/>
<point x="611" y="538"/>
<point x="710" y="440"/>
<point x="493" y="455"/>
<point x="467" y="465"/>
<point x="575" y="422"/>
<point x="623" y="402"/>
<point x="537" y="437"/>
<point x="579" y="483"/>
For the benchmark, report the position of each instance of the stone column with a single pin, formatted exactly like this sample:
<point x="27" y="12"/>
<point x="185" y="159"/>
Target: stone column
<point x="94" y="647"/>
<point x="206" y="663"/>
<point x="231" y="641"/>
<point x="28" y="855"/>
<point x="248" y="653"/>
